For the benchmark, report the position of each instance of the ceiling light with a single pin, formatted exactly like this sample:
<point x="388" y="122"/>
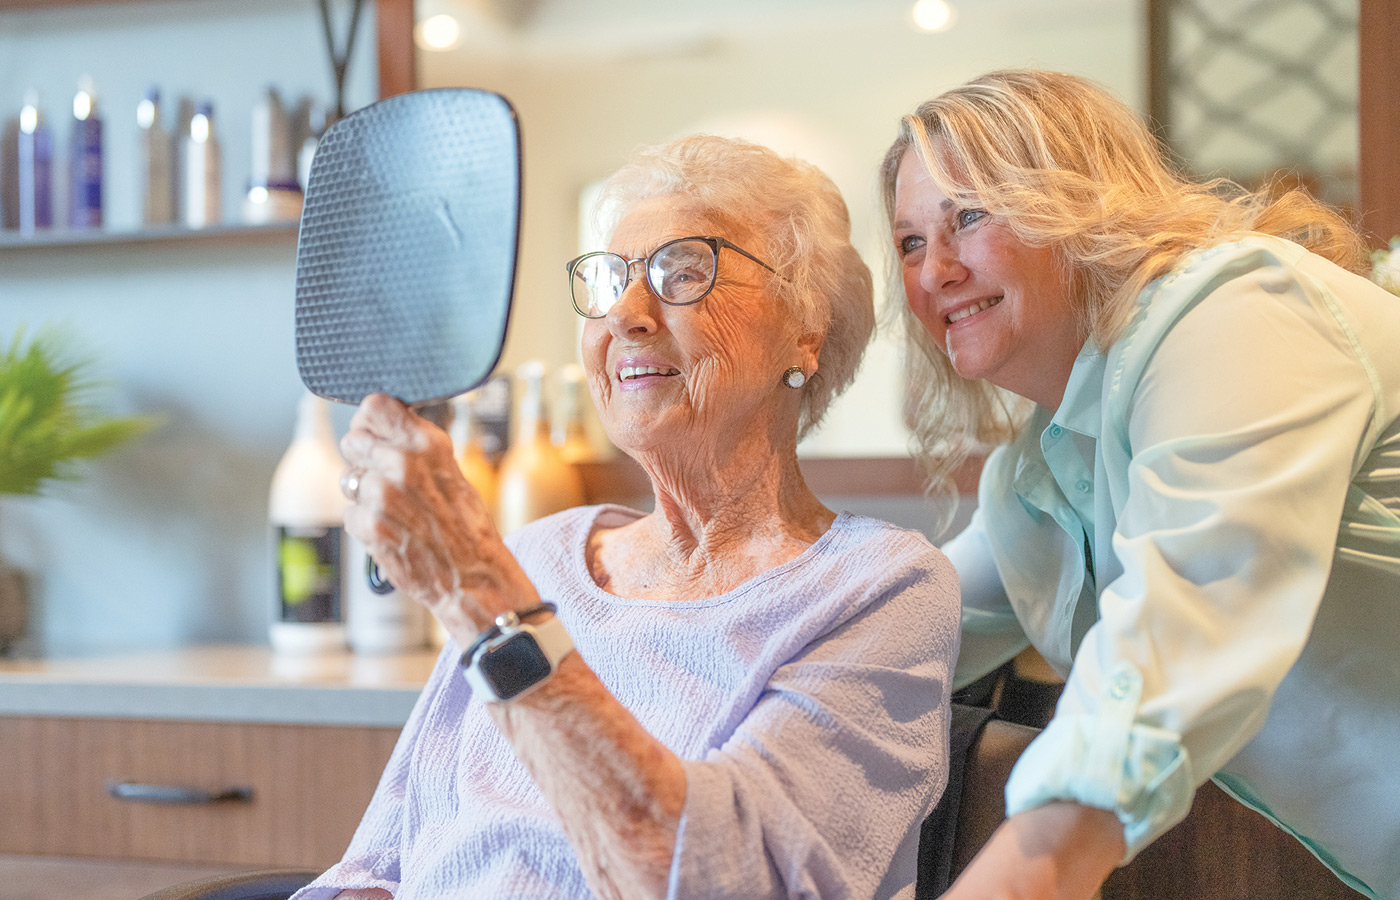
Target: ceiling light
<point x="440" y="32"/>
<point x="933" y="16"/>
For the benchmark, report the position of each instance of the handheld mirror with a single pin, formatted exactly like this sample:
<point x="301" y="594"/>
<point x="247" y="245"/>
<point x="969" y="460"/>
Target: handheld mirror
<point x="407" y="251"/>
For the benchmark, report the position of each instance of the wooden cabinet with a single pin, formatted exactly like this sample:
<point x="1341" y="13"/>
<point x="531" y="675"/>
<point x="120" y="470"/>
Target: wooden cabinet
<point x="309" y="784"/>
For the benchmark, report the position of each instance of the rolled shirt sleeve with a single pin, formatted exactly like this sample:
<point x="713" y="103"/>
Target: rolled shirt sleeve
<point x="1226" y="455"/>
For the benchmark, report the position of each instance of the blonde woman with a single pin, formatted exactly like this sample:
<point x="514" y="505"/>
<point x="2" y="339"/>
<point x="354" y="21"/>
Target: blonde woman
<point x="1193" y="507"/>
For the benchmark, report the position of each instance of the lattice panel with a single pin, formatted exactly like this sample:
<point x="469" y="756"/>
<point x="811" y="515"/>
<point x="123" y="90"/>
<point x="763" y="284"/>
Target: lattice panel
<point x="1254" y="87"/>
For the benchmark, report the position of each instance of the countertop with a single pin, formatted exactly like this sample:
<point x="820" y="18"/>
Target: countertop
<point x="221" y="683"/>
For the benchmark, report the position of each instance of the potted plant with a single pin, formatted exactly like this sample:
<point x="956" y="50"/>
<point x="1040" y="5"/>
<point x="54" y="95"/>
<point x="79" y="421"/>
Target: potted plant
<point x="47" y="424"/>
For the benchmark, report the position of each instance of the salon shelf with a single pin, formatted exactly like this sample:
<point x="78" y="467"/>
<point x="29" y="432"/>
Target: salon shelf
<point x="170" y="236"/>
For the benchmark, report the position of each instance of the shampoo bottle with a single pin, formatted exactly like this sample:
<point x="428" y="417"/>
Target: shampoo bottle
<point x="535" y="481"/>
<point x="35" y="169"/>
<point x="471" y="455"/>
<point x="307" y="513"/>
<point x="273" y="193"/>
<point x="85" y="160"/>
<point x="570" y="432"/>
<point x="154" y="164"/>
<point x="201" y="191"/>
<point x="378" y="618"/>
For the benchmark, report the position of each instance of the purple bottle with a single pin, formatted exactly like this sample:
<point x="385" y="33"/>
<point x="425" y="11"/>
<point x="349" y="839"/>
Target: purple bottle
<point x="35" y="168"/>
<point x="85" y="171"/>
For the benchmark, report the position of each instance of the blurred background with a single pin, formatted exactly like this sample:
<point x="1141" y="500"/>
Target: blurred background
<point x="165" y="542"/>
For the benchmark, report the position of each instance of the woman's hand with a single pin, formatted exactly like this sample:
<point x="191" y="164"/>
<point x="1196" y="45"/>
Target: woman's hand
<point x="1059" y="851"/>
<point x="430" y="533"/>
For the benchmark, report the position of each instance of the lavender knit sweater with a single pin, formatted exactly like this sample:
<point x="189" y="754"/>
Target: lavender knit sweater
<point x="809" y="704"/>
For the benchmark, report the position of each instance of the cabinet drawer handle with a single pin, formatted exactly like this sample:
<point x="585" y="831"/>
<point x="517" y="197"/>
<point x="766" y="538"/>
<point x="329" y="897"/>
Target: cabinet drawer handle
<point x="176" y="794"/>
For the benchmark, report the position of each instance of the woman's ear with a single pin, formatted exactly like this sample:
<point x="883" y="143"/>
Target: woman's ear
<point x="810" y="347"/>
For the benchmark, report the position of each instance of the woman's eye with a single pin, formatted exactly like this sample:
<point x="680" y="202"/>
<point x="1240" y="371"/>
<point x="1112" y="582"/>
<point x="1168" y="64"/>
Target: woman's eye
<point x="968" y="217"/>
<point x="909" y="243"/>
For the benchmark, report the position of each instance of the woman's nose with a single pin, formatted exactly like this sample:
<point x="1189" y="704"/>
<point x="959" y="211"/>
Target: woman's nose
<point x="943" y="268"/>
<point x="635" y="312"/>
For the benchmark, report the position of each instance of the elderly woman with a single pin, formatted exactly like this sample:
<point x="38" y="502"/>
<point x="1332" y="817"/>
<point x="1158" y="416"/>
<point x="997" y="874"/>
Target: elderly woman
<point x="1194" y="515"/>
<point x="740" y="694"/>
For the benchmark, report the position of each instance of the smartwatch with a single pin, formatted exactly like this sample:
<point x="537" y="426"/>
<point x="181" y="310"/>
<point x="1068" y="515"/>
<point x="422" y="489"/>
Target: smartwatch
<point x="513" y="656"/>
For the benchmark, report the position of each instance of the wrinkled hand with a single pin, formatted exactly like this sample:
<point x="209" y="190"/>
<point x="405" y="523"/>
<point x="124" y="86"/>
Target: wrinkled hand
<point x="425" y="526"/>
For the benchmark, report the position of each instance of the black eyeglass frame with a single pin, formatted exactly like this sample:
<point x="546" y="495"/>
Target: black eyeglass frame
<point x="715" y="244"/>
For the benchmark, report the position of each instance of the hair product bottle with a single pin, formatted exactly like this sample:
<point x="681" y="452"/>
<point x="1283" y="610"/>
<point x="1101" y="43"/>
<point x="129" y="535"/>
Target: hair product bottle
<point x="35" y="168"/>
<point x="570" y="432"/>
<point x="378" y="618"/>
<point x="307" y="513"/>
<point x="85" y="160"/>
<point x="154" y="170"/>
<point x="201" y="191"/>
<point x="535" y="481"/>
<point x="471" y="455"/>
<point x="273" y="193"/>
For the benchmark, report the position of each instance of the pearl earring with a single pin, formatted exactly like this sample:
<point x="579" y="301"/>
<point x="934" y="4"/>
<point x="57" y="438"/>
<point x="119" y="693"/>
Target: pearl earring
<point x="794" y="377"/>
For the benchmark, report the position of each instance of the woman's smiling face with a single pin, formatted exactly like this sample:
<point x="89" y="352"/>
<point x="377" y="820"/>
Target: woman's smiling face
<point x="998" y="307"/>
<point x="662" y="373"/>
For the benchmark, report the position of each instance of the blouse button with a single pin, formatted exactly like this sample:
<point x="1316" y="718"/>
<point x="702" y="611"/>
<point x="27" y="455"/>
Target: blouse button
<point x="1056" y="431"/>
<point x="1121" y="686"/>
<point x="1082" y="486"/>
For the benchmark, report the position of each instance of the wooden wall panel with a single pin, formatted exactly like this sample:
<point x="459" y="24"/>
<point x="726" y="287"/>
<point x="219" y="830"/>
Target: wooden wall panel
<point x="1380" y="119"/>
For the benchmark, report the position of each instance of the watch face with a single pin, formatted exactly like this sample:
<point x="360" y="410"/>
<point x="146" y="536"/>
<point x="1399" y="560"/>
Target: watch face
<point x="514" y="666"/>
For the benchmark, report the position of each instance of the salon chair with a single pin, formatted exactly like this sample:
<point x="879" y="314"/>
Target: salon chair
<point x="276" y="884"/>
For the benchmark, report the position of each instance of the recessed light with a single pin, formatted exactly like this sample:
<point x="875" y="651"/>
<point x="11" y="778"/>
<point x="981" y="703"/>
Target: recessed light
<point x="933" y="16"/>
<point x="440" y="32"/>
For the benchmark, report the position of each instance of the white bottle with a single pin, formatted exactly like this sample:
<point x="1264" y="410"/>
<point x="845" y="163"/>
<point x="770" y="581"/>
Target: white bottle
<point x="201" y="193"/>
<point x="307" y="513"/>
<point x="378" y="618"/>
<point x="154" y="168"/>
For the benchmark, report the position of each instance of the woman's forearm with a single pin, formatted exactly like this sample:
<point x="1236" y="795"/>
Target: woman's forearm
<point x="617" y="790"/>
<point x="1058" y="851"/>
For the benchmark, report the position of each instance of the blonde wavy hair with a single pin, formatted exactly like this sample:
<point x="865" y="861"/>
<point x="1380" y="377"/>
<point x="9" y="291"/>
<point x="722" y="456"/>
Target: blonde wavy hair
<point x="1066" y="165"/>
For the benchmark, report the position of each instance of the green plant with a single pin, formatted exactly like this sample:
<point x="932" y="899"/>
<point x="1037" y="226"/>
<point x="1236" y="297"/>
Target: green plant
<point x="47" y="419"/>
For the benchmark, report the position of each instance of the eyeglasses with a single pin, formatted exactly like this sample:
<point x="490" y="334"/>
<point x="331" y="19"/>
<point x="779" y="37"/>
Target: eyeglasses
<point x="680" y="272"/>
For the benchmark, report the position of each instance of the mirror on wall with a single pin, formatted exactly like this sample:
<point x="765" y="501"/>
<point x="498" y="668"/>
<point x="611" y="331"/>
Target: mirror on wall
<point x="824" y="79"/>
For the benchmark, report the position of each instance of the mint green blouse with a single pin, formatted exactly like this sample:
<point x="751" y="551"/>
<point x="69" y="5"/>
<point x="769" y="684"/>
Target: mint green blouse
<point x="1205" y="540"/>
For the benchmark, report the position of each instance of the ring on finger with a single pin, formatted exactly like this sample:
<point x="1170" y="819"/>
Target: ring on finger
<point x="350" y="484"/>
